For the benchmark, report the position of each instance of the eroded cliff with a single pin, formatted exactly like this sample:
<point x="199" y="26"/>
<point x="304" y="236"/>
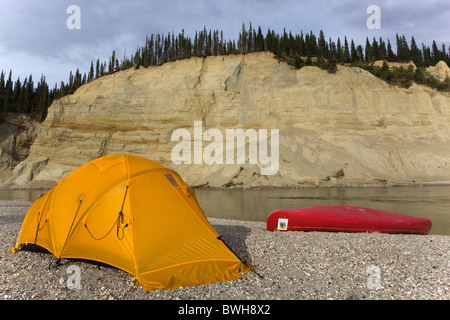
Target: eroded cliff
<point x="347" y="128"/>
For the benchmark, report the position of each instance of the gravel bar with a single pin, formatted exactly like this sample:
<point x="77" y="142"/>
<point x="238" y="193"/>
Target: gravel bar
<point x="291" y="266"/>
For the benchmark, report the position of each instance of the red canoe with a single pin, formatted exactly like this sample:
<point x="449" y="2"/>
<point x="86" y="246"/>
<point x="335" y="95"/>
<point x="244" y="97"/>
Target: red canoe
<point x="346" y="219"/>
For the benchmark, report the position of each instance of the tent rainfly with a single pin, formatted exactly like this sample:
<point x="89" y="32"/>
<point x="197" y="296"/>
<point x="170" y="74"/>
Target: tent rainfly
<point x="134" y="214"/>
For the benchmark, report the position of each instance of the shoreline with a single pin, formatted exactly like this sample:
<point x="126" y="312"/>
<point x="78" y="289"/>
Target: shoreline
<point x="293" y="266"/>
<point x="302" y="186"/>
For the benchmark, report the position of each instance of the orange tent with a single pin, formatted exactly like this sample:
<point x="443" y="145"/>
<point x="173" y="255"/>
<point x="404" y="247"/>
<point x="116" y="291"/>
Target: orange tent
<point x="134" y="214"/>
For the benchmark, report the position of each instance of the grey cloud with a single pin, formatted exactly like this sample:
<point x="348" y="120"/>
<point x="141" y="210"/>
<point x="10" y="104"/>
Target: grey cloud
<point x="37" y="29"/>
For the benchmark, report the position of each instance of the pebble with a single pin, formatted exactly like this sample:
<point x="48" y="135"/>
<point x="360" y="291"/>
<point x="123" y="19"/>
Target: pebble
<point x="291" y="266"/>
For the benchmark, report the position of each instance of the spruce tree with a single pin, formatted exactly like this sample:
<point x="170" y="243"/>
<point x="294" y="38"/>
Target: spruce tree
<point x="259" y="40"/>
<point x="2" y="92"/>
<point x="340" y="52"/>
<point x="332" y="64"/>
<point x="102" y="71"/>
<point x="250" y="39"/>
<point x="353" y="52"/>
<point x="313" y="47"/>
<point x="385" y="72"/>
<point x="322" y="49"/>
<point x="196" y="44"/>
<point x="24" y="98"/>
<point x="298" y="62"/>
<point x="382" y="49"/>
<point x="368" y="51"/>
<point x="42" y="102"/>
<point x="29" y="94"/>
<point x="112" y="62"/>
<point x="70" y="82"/>
<point x="375" y="50"/>
<point x="426" y="56"/>
<point x="444" y="55"/>
<point x="302" y="45"/>
<point x="403" y="53"/>
<point x="77" y="80"/>
<point x="308" y="59"/>
<point x="331" y="49"/>
<point x="435" y="53"/>
<point x="346" y="51"/>
<point x="390" y="54"/>
<point x="360" y="52"/>
<point x="97" y="69"/>
<point x="416" y="54"/>
<point x="15" y="96"/>
<point x="209" y="44"/>
<point x="8" y="93"/>
<point x="2" y="83"/>
<point x="243" y="40"/>
<point x="91" y="72"/>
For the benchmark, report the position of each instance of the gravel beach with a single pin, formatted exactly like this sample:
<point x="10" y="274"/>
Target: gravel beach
<point x="291" y="266"/>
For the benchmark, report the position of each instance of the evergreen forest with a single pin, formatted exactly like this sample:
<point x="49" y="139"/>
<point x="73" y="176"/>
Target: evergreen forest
<point x="27" y="97"/>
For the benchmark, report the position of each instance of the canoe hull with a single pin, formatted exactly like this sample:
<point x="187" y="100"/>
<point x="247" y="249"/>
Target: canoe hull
<point x="346" y="219"/>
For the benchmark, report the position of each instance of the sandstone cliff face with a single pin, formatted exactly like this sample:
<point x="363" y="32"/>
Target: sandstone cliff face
<point x="17" y="134"/>
<point x="440" y="70"/>
<point x="347" y="128"/>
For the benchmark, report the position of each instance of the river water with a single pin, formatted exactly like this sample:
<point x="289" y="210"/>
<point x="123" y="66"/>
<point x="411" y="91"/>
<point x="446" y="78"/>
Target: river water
<point x="432" y="202"/>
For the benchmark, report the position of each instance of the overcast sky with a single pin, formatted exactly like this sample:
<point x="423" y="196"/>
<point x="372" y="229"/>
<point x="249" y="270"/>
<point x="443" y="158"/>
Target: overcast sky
<point x="34" y="38"/>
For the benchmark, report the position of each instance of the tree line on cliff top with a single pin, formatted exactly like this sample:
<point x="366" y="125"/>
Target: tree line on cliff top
<point x="296" y="49"/>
